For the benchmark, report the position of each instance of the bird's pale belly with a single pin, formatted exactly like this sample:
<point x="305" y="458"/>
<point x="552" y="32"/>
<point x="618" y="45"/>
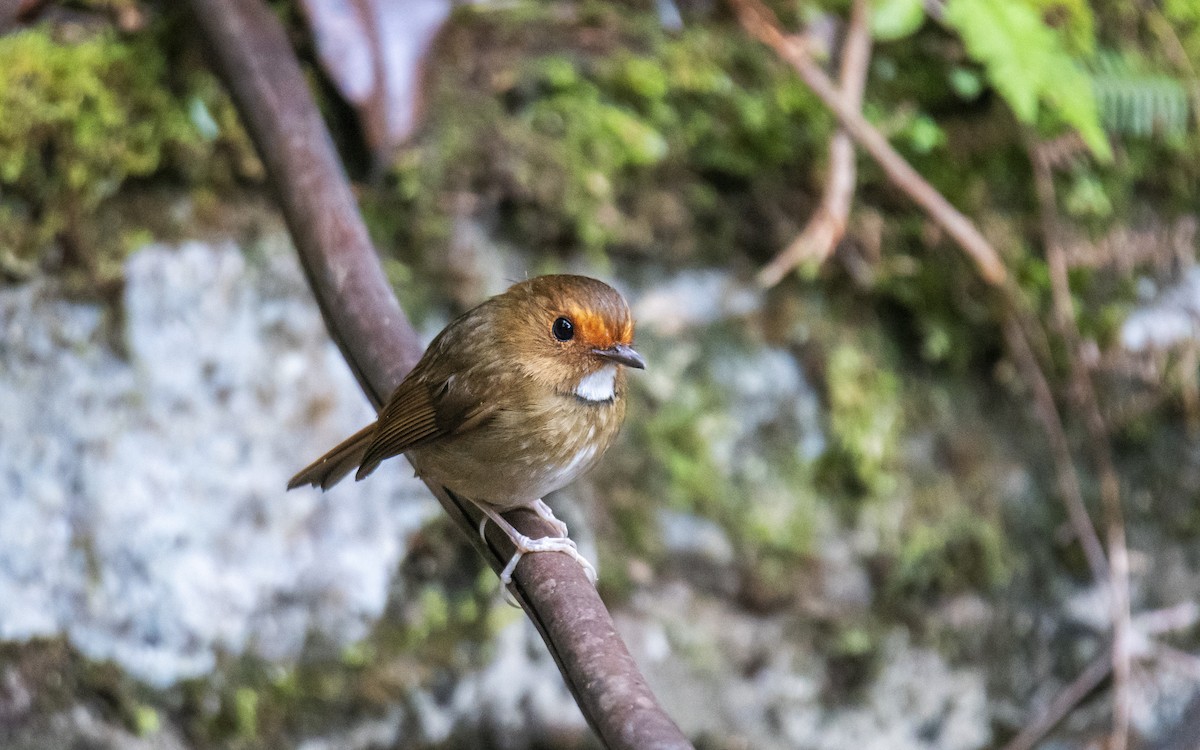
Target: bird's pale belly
<point x="506" y="465"/>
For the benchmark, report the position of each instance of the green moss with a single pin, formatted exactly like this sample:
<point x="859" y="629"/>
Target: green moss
<point x="145" y="719"/>
<point x="245" y="702"/>
<point x="694" y="455"/>
<point x="78" y="119"/>
<point x="947" y="555"/>
<point x="853" y="656"/>
<point x="650" y="143"/>
<point x="865" y="420"/>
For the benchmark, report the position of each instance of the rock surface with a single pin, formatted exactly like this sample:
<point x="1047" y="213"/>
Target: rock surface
<point x="144" y="511"/>
<point x="144" y="522"/>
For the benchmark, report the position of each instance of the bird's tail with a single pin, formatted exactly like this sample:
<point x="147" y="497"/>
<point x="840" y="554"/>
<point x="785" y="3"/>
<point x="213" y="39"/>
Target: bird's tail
<point x="331" y="468"/>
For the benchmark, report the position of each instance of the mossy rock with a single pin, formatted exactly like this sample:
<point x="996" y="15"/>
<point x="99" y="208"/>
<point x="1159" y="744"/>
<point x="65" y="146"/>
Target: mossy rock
<point x="81" y="117"/>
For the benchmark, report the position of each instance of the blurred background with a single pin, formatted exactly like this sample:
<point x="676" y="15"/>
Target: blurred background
<point x="840" y="512"/>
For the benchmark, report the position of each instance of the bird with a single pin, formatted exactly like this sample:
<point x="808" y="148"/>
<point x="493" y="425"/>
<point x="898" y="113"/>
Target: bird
<point x="515" y="398"/>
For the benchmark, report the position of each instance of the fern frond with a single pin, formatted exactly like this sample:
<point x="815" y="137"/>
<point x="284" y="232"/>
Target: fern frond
<point x="1141" y="105"/>
<point x="1134" y="101"/>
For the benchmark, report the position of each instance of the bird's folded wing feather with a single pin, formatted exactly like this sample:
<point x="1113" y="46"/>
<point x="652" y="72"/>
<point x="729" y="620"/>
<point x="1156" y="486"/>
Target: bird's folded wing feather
<point x="419" y="412"/>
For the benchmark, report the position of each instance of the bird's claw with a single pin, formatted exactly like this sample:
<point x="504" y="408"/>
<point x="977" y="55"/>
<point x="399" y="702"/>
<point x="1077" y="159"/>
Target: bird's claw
<point x="539" y="506"/>
<point x="525" y="545"/>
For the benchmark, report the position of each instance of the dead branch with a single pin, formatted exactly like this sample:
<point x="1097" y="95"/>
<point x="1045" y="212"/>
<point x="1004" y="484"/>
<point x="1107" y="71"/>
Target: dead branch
<point x="362" y="314"/>
<point x="1083" y="394"/>
<point x="1019" y="329"/>
<point x="828" y="225"/>
<point x="1144" y="628"/>
<point x="760" y="22"/>
<point x="1069" y="698"/>
<point x="1017" y="342"/>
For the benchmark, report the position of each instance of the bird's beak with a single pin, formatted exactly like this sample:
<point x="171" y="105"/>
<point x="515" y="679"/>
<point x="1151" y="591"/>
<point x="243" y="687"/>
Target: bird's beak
<point x="622" y="354"/>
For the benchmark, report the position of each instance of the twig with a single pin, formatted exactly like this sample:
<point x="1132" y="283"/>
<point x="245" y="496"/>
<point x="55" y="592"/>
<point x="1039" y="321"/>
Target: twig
<point x="1083" y="394"/>
<point x="1143" y="630"/>
<point x="1182" y="616"/>
<point x="1018" y="329"/>
<point x="1086" y="682"/>
<point x="1047" y="412"/>
<point x="363" y="317"/>
<point x="828" y="225"/>
<point x="760" y="22"/>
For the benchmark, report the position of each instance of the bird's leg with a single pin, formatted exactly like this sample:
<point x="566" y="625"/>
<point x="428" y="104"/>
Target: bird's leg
<point x="525" y="545"/>
<point x="539" y="506"/>
<point x="543" y="512"/>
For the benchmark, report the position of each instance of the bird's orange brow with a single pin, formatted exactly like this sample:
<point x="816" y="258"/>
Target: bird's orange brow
<point x="602" y="331"/>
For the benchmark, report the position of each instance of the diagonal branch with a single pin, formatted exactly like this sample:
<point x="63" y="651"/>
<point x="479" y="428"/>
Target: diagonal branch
<point x="364" y="318"/>
<point x="1014" y="328"/>
<point x="1019" y="329"/>
<point x="828" y="225"/>
<point x="1017" y="324"/>
<point x="1087" y="681"/>
<point x="761" y="23"/>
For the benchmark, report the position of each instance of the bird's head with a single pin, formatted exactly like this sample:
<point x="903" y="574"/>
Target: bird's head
<point x="573" y="333"/>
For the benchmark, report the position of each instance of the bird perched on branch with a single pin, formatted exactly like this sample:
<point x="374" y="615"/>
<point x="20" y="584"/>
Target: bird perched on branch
<point x="511" y="401"/>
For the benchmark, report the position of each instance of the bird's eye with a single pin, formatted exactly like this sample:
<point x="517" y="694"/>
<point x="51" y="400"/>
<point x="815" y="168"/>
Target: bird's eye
<point x="563" y="329"/>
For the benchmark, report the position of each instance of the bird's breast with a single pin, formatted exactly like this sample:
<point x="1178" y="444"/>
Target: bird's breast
<point x="523" y="453"/>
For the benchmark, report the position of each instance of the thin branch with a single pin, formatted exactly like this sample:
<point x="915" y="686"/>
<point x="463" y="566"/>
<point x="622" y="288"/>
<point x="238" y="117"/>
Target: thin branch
<point x="828" y="225"/>
<point x="1083" y="394"/>
<point x="364" y="318"/>
<point x="1018" y="330"/>
<point x="760" y="22"/>
<point x="1047" y="412"/>
<point x="1069" y="698"/>
<point x="1143" y="630"/>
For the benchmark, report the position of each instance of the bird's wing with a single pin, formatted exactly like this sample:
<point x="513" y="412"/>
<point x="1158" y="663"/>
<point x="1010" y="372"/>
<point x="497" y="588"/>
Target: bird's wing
<point x="420" y="411"/>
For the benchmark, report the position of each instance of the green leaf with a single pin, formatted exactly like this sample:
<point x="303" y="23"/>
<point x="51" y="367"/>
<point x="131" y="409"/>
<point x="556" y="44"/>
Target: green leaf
<point x="896" y="19"/>
<point x="966" y="83"/>
<point x="1028" y="64"/>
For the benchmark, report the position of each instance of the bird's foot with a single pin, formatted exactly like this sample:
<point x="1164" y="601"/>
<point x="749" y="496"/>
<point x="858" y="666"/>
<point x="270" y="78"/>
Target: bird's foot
<point x="539" y="506"/>
<point x="526" y="545"/>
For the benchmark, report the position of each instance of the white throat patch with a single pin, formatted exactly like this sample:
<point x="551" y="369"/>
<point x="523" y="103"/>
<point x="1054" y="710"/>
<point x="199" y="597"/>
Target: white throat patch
<point x="599" y="386"/>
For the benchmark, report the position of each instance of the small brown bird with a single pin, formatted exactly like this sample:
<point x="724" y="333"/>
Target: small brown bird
<point x="511" y="401"/>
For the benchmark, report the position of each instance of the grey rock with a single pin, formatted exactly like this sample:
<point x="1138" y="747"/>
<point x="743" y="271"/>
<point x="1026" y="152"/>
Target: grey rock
<point x="748" y="681"/>
<point x="695" y="298"/>
<point x="144" y="511"/>
<point x="1171" y="318"/>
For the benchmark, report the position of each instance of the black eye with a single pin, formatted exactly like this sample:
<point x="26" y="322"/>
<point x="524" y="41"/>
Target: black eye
<point x="563" y="329"/>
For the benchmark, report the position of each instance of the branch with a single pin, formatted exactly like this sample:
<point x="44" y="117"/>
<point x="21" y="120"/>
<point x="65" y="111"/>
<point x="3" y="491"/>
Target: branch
<point x="1016" y="339"/>
<point x="362" y="314"/>
<point x="1069" y="698"/>
<point x="1017" y="327"/>
<point x="760" y="22"/>
<point x="1083" y="394"/>
<point x="828" y="225"/>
